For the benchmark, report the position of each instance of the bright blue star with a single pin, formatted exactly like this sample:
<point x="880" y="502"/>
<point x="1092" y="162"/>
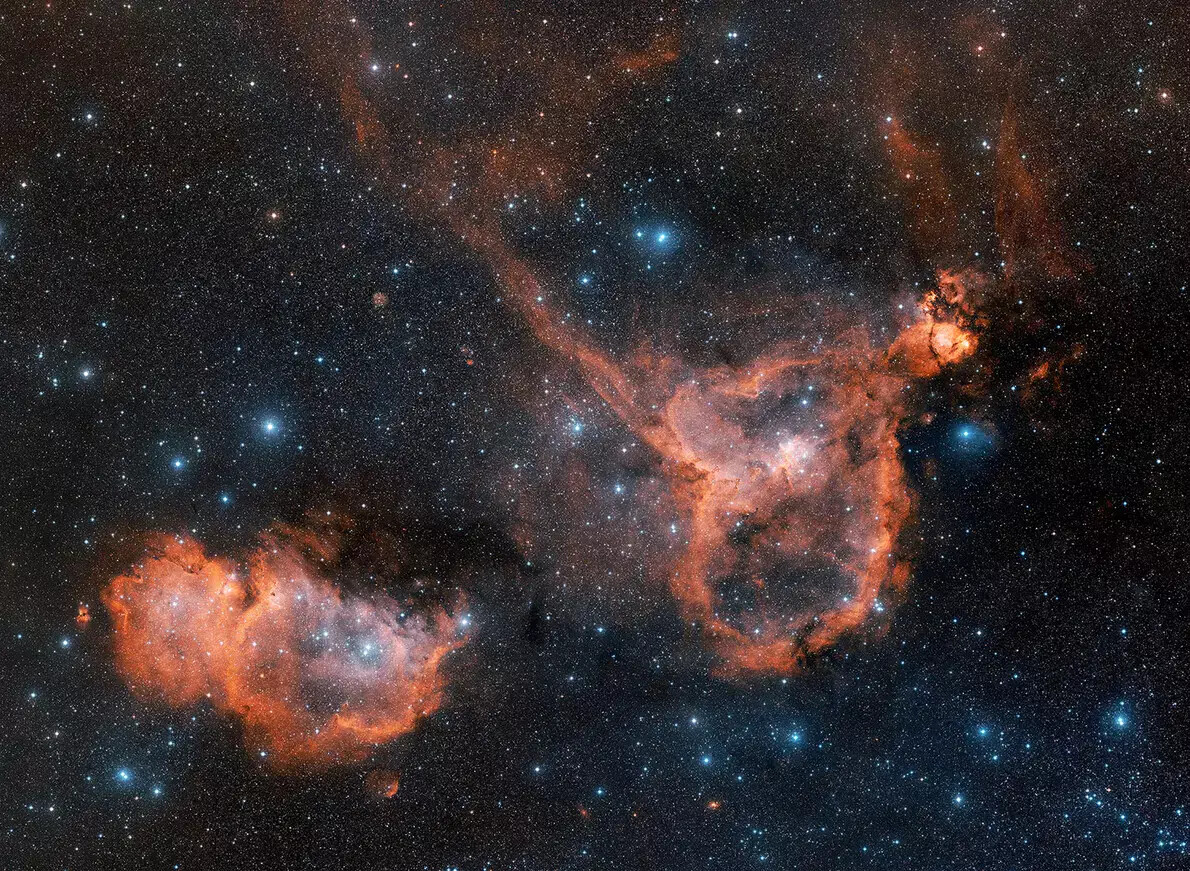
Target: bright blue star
<point x="178" y="463"/>
<point x="123" y="775"/>
<point x="972" y="438"/>
<point x="1120" y="717"/>
<point x="657" y="238"/>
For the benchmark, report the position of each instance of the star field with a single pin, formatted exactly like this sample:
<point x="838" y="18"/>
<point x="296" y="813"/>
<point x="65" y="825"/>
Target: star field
<point x="567" y="435"/>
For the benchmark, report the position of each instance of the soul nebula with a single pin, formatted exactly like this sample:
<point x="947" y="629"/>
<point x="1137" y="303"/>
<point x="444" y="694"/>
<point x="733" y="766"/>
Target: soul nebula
<point x="317" y="677"/>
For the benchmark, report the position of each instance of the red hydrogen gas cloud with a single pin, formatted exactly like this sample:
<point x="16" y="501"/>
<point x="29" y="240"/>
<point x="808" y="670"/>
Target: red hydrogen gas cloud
<point x="767" y="498"/>
<point x="785" y="470"/>
<point x="316" y="677"/>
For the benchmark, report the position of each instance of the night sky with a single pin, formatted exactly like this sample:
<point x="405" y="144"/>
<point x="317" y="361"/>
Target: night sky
<point x="568" y="435"/>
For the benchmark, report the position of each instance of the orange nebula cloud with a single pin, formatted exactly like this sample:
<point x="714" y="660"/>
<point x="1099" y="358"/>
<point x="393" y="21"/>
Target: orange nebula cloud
<point x="1029" y="235"/>
<point x="946" y="329"/>
<point x="920" y="176"/>
<point x="382" y="783"/>
<point x="789" y="474"/>
<point x="316" y="677"/>
<point x="662" y="51"/>
<point x="1029" y="238"/>
<point x="789" y="520"/>
<point x="787" y="493"/>
<point x="803" y="507"/>
<point x="806" y="507"/>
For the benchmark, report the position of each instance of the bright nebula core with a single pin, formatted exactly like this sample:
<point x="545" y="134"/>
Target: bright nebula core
<point x="315" y="678"/>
